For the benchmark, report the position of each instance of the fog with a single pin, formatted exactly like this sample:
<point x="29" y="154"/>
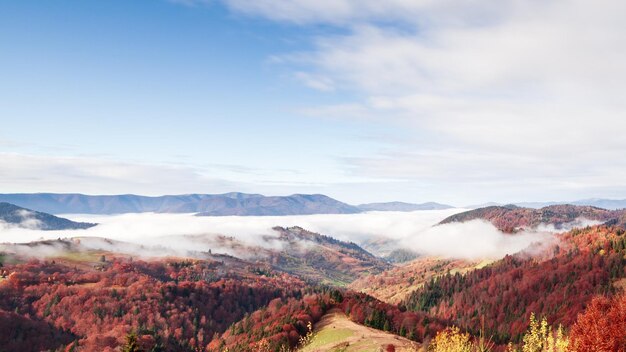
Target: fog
<point x="578" y="223"/>
<point x="476" y="239"/>
<point x="378" y="232"/>
<point x="28" y="220"/>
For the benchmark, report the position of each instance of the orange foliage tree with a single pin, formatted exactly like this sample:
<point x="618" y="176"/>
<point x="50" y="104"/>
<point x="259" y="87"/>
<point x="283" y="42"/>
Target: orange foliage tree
<point x="601" y="327"/>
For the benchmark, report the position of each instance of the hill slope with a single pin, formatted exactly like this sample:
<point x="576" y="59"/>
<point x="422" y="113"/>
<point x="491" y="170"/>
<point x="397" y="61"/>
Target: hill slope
<point x="557" y="284"/>
<point x="509" y="218"/>
<point x="26" y="218"/>
<point x="335" y="332"/>
<point x="93" y="304"/>
<point x="313" y="257"/>
<point x="396" y="284"/>
<point x="316" y="257"/>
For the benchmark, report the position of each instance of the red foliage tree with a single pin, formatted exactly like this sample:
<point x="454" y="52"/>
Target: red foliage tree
<point x="601" y="327"/>
<point x="168" y="304"/>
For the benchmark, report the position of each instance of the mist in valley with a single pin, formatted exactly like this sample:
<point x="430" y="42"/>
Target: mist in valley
<point x="153" y="235"/>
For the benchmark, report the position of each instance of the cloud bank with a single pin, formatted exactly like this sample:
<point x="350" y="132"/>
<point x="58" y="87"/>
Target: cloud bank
<point x="28" y="173"/>
<point x="517" y="99"/>
<point x="476" y="239"/>
<point x="181" y="234"/>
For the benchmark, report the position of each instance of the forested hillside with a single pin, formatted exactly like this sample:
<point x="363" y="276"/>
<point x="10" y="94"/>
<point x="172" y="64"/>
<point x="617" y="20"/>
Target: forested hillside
<point x="510" y="218"/>
<point x="81" y="299"/>
<point x="587" y="262"/>
<point x="169" y="305"/>
<point x="12" y="215"/>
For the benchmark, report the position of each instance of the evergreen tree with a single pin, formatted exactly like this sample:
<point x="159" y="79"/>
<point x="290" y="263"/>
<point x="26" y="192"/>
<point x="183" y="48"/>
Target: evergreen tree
<point x="131" y="343"/>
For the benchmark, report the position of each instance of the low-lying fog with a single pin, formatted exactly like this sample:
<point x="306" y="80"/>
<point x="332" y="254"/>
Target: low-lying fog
<point x="377" y="231"/>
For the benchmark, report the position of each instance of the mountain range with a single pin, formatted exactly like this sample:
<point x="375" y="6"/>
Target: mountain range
<point x="204" y="204"/>
<point x="234" y="203"/>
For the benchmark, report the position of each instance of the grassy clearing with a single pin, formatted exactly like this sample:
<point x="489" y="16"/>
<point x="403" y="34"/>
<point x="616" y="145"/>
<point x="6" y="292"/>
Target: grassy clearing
<point x="336" y="333"/>
<point x="364" y="346"/>
<point x="328" y="336"/>
<point x="9" y="259"/>
<point x="483" y="264"/>
<point x="80" y="256"/>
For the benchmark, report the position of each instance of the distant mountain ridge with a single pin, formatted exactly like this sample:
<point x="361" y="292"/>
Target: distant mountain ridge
<point x="401" y="206"/>
<point x="297" y="204"/>
<point x="610" y="204"/>
<point x="234" y="203"/>
<point x="22" y="217"/>
<point x="242" y="204"/>
<point x="204" y="204"/>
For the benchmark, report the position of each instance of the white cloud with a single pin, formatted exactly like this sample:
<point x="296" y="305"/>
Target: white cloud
<point x="501" y="100"/>
<point x="346" y="12"/>
<point x="316" y="82"/>
<point x="97" y="175"/>
<point x="142" y="226"/>
<point x="577" y="223"/>
<point x="475" y="239"/>
<point x="523" y="93"/>
<point x="164" y="234"/>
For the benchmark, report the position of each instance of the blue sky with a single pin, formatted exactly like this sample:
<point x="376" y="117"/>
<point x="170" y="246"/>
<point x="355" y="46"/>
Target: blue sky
<point x="360" y="100"/>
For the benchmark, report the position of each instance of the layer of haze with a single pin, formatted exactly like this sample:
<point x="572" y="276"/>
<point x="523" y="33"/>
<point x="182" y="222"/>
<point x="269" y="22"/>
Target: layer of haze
<point x="388" y="230"/>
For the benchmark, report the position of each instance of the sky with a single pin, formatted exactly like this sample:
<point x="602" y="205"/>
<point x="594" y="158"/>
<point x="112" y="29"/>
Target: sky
<point x="460" y="102"/>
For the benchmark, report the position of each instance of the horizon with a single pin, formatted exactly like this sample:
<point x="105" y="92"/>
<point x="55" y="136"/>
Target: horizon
<point x="452" y="205"/>
<point x="362" y="103"/>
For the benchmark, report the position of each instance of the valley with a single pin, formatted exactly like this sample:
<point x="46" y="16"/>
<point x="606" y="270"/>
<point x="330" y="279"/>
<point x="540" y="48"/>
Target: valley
<point x="289" y="288"/>
<point x="396" y="284"/>
<point x="312" y="176"/>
